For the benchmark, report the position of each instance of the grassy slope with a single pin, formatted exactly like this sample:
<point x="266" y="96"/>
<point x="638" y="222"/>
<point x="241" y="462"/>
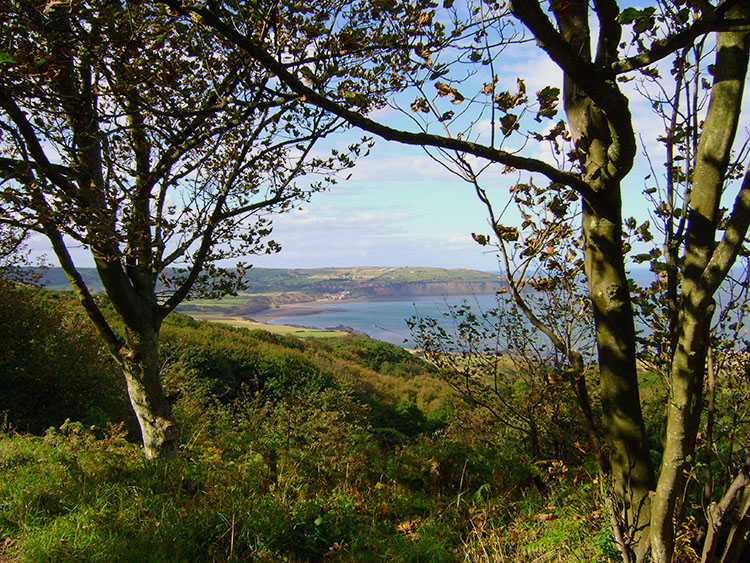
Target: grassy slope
<point x="72" y="497"/>
<point x="285" y="330"/>
<point x="301" y="278"/>
<point x="349" y="468"/>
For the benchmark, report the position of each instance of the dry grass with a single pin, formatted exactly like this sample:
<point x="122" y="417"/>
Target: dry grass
<point x="276" y="329"/>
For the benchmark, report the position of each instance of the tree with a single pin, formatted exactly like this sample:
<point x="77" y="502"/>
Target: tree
<point x="447" y="41"/>
<point x="496" y="361"/>
<point x="714" y="468"/>
<point x="132" y="134"/>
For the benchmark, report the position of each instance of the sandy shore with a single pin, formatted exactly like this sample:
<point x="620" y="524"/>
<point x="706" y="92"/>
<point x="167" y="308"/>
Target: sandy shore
<point x="305" y="308"/>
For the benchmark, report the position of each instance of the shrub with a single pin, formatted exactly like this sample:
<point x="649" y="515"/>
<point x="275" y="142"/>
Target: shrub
<point x="52" y="364"/>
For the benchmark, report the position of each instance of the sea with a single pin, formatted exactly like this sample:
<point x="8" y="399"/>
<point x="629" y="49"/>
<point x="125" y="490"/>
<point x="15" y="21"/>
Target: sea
<point x="387" y="319"/>
<point x="384" y="320"/>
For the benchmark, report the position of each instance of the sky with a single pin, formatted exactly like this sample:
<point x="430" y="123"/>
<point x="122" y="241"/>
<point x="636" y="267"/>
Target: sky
<point x="400" y="208"/>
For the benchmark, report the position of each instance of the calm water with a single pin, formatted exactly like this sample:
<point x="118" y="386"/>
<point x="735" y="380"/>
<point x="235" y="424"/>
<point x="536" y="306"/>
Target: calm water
<point x="384" y="320"/>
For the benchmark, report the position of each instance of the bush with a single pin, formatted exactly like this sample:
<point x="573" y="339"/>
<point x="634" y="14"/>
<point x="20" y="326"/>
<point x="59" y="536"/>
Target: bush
<point x="380" y="356"/>
<point x="53" y="365"/>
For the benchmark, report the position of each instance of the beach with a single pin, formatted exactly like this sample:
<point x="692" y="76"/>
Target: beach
<point x="294" y="309"/>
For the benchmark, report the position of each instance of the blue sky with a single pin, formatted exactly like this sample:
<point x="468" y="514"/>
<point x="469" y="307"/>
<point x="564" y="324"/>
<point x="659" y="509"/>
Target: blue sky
<point x="399" y="208"/>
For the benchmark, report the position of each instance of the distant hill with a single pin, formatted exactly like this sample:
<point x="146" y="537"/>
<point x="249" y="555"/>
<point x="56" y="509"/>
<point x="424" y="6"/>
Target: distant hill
<point x="55" y="280"/>
<point x="373" y="282"/>
<point x="352" y="283"/>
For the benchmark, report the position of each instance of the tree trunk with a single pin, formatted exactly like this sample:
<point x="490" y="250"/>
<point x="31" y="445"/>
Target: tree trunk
<point x="140" y="363"/>
<point x="606" y="156"/>
<point x="694" y="321"/>
<point x="622" y="420"/>
<point x="740" y="532"/>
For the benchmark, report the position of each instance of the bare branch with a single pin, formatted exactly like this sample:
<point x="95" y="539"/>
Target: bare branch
<point x="309" y="95"/>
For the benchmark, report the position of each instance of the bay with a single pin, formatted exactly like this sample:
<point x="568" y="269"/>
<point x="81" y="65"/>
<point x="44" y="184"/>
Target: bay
<point x="383" y="320"/>
<point x="386" y="319"/>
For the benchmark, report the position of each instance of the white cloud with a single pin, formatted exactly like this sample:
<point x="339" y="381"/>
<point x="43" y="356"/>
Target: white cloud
<point x="402" y="167"/>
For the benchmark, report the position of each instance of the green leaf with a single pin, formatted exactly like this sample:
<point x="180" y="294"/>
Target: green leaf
<point x="6" y="58"/>
<point x="308" y="74"/>
<point x="640" y="258"/>
<point x="356" y="99"/>
<point x="629" y="15"/>
<point x="642" y="20"/>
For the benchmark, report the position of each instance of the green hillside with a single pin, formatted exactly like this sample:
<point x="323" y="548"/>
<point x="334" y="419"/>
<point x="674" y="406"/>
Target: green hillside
<point x="340" y="449"/>
<point x="317" y="281"/>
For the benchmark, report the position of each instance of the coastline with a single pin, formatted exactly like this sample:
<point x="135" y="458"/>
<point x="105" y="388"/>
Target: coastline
<point x="305" y="308"/>
<point x="363" y="315"/>
<point x="297" y="309"/>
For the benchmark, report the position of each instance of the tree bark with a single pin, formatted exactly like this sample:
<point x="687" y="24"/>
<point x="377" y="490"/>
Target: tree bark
<point x="134" y="298"/>
<point x="606" y="156"/>
<point x="694" y="320"/>
<point x="622" y="420"/>
<point x="140" y="365"/>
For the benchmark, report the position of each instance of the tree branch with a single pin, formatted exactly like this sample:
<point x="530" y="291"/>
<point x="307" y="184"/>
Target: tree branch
<point x="664" y="47"/>
<point x="309" y="95"/>
<point x="598" y="84"/>
<point x="49" y="170"/>
<point x="725" y="253"/>
<point x="113" y="342"/>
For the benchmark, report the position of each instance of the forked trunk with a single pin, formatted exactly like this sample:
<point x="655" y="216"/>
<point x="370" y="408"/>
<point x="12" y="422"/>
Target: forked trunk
<point x="605" y="159"/>
<point x="705" y="265"/>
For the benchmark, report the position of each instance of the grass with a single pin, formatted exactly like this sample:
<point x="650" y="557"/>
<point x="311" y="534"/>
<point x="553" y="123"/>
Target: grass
<point x="303" y="279"/>
<point x="285" y="330"/>
<point x="242" y="298"/>
<point x="73" y="496"/>
<point x="327" y="449"/>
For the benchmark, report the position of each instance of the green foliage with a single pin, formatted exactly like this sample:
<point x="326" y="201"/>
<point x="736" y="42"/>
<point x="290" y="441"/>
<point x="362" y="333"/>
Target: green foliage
<point x="380" y="356"/>
<point x="217" y="363"/>
<point x="52" y="365"/>
<point x="72" y="496"/>
<point x="292" y="451"/>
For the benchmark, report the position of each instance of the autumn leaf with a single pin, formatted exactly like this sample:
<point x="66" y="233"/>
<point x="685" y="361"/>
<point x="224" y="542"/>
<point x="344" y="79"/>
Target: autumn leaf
<point x="508" y="234"/>
<point x="548" y="98"/>
<point x="420" y="104"/>
<point x="425" y="18"/>
<point x="482" y="240"/>
<point x="489" y="87"/>
<point x="444" y="90"/>
<point x="509" y="123"/>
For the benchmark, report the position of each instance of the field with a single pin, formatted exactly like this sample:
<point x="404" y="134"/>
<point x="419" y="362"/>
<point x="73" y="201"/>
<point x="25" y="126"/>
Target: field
<point x="285" y="330"/>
